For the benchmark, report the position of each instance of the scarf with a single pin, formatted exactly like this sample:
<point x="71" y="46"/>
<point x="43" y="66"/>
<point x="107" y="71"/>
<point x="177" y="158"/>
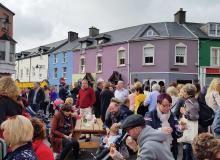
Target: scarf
<point x="164" y="123"/>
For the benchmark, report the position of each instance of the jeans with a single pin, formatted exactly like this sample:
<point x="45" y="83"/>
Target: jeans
<point x="187" y="152"/>
<point x="69" y="145"/>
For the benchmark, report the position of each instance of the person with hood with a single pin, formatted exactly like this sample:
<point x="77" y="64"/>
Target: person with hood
<point x="151" y="144"/>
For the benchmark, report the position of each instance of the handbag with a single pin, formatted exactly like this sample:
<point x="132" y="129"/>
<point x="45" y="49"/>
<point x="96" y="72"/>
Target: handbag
<point x="190" y="133"/>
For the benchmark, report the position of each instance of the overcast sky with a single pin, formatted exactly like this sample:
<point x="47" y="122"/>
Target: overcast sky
<point x="39" y="22"/>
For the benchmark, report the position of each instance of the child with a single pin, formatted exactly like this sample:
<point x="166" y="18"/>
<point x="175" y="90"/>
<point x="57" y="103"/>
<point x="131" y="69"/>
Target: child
<point x="108" y="141"/>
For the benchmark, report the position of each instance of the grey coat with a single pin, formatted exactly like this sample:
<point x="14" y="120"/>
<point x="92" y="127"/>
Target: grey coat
<point x="153" y="145"/>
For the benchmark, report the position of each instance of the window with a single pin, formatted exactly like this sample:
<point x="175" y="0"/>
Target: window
<point x="214" y="29"/>
<point x="100" y="41"/>
<point x="99" y="63"/>
<point x="2" y="50"/>
<point x="148" y="54"/>
<point x="64" y="57"/>
<point x="83" y="47"/>
<point x="215" y="57"/>
<point x="82" y="65"/>
<point x="33" y="71"/>
<point x="27" y="71"/>
<point x="55" y="73"/>
<point x="121" y="57"/>
<point x="21" y="73"/>
<point x="150" y="33"/>
<point x="55" y="58"/>
<point x="40" y="75"/>
<point x="12" y="52"/>
<point x="64" y="72"/>
<point x="5" y="22"/>
<point x="180" y="54"/>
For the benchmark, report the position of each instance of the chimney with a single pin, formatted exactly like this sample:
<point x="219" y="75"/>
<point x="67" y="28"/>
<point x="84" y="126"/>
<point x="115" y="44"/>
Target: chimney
<point x="93" y="31"/>
<point x="72" y="36"/>
<point x="180" y="16"/>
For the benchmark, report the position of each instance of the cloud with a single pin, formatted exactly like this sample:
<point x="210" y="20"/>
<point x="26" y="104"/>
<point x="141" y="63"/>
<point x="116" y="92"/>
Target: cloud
<point x="39" y="22"/>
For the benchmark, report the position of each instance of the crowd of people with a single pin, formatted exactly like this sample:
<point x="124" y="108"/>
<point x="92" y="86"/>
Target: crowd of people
<point x="181" y="122"/>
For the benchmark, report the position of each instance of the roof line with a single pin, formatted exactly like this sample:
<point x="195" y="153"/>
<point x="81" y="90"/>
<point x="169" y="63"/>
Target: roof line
<point x="190" y="31"/>
<point x="165" y="23"/>
<point x="6" y="8"/>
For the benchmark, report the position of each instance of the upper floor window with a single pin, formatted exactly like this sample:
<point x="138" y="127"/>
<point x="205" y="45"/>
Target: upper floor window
<point x="27" y="71"/>
<point x="180" y="54"/>
<point x="21" y="75"/>
<point x="215" y="56"/>
<point x="12" y="52"/>
<point x="5" y="22"/>
<point x="214" y="29"/>
<point x="55" y="73"/>
<point x="55" y="58"/>
<point x="99" y="63"/>
<point x="83" y="47"/>
<point x="82" y="64"/>
<point x="150" y="33"/>
<point x="64" y="57"/>
<point x="121" y="57"/>
<point x="148" y="54"/>
<point x="33" y="71"/>
<point x="2" y="50"/>
<point x="64" y="72"/>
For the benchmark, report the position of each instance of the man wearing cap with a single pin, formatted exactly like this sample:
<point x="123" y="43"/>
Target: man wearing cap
<point x="151" y="143"/>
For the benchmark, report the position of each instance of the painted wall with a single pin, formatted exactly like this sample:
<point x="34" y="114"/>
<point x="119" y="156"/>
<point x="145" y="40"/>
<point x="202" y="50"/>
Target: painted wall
<point x="164" y="56"/>
<point x="109" y="61"/>
<point x="41" y="73"/>
<point x="205" y="50"/>
<point x="4" y="12"/>
<point x="32" y="73"/>
<point x="59" y="65"/>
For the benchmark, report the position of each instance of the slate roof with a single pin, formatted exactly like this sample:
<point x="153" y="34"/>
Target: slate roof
<point x="163" y="29"/>
<point x="68" y="46"/>
<point x="195" y="28"/>
<point x="35" y="51"/>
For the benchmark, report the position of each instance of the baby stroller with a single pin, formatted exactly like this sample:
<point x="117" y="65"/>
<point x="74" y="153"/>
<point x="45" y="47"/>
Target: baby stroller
<point x="40" y="114"/>
<point x="103" y="154"/>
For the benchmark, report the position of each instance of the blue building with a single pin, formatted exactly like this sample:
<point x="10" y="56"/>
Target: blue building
<point x="61" y="61"/>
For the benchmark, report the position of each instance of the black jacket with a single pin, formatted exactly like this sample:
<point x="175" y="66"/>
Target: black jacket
<point x="105" y="98"/>
<point x="8" y="108"/>
<point x="96" y="106"/>
<point x="39" y="98"/>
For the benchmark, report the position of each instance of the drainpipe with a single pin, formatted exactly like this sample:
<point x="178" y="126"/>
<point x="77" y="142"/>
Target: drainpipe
<point x="129" y="80"/>
<point x="198" y="50"/>
<point x="30" y="71"/>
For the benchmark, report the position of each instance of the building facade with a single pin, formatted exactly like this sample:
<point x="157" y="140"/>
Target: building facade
<point x="7" y="43"/>
<point x="61" y="61"/>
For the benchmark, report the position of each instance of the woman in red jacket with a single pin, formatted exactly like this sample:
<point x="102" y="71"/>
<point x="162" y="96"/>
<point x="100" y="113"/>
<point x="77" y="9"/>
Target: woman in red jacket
<point x="42" y="151"/>
<point x="62" y="126"/>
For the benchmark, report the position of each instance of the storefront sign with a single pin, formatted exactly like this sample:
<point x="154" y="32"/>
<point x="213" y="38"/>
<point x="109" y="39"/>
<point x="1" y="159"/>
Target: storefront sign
<point x="212" y="70"/>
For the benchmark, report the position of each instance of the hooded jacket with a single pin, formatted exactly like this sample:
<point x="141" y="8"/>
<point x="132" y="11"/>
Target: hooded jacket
<point x="153" y="145"/>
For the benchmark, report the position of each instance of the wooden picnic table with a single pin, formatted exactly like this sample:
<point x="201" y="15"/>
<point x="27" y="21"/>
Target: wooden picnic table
<point x="96" y="128"/>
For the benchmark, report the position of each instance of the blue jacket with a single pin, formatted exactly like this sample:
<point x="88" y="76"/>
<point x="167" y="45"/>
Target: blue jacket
<point x="216" y="124"/>
<point x="24" y="152"/>
<point x="123" y="113"/>
<point x="153" y="120"/>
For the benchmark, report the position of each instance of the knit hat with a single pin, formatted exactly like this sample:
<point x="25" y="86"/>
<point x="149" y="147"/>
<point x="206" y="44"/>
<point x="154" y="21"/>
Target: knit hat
<point x="134" y="120"/>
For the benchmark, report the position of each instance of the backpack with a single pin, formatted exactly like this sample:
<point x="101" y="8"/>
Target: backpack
<point x="206" y="114"/>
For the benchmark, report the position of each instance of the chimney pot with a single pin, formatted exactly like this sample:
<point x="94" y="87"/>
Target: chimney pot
<point x="93" y="31"/>
<point x="180" y="16"/>
<point x="72" y="36"/>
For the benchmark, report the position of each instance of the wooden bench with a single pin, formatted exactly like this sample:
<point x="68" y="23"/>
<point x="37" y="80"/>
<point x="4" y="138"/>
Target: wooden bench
<point x="96" y="128"/>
